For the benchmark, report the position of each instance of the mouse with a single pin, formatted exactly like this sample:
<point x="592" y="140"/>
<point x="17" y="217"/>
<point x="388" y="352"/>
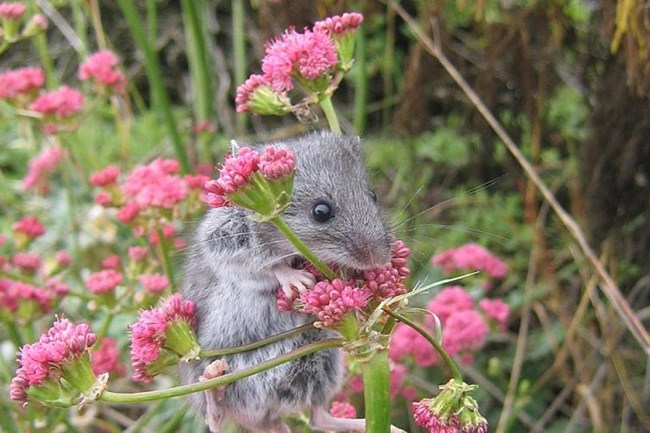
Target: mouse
<point x="236" y="265"/>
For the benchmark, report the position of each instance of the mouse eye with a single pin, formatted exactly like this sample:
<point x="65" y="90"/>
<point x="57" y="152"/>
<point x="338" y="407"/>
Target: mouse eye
<point x="322" y="212"/>
<point x="373" y="196"/>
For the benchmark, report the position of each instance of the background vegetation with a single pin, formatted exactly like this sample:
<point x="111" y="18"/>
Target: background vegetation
<point x="568" y="80"/>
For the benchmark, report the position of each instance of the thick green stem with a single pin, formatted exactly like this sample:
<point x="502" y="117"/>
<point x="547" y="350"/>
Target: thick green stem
<point x="257" y="344"/>
<point x="327" y="107"/>
<point x="178" y="391"/>
<point x="376" y="393"/>
<point x="443" y="354"/>
<point x="301" y="247"/>
<point x="154" y="74"/>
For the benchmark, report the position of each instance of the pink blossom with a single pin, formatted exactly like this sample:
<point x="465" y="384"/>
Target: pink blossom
<point x="424" y="416"/>
<point x="101" y="68"/>
<point x="106" y="358"/>
<point x="464" y="331"/>
<point x="204" y="126"/>
<point x="397" y="377"/>
<point x="330" y="302"/>
<point x="337" y="25"/>
<point x="246" y="90"/>
<point x="138" y="254"/>
<point x="42" y="165"/>
<point x="12" y="11"/>
<point x="13" y="294"/>
<point x="30" y="226"/>
<point x="156" y="184"/>
<point x="128" y="213"/>
<point x="167" y="231"/>
<point x="276" y="163"/>
<point x="195" y="181"/>
<point x="496" y="310"/>
<point x="103" y="281"/>
<point x="449" y="300"/>
<point x="21" y="82"/>
<point x="63" y="343"/>
<point x="233" y="176"/>
<point x="56" y="288"/>
<point x="341" y="409"/>
<point x="62" y="258"/>
<point x="471" y="257"/>
<point x="61" y="103"/>
<point x="148" y="337"/>
<point x="103" y="199"/>
<point x="106" y="176"/>
<point x="28" y="262"/>
<point x="155" y="283"/>
<point x="311" y="55"/>
<point x="112" y="262"/>
<point x="408" y="342"/>
<point x="288" y="302"/>
<point x="388" y="282"/>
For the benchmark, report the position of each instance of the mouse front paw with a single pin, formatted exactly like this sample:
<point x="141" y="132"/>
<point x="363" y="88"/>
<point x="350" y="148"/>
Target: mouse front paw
<point x="290" y="278"/>
<point x="214" y="415"/>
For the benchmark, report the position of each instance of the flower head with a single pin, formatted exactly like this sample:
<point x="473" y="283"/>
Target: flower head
<point x="450" y="300"/>
<point x="331" y="301"/>
<point x="27" y="262"/>
<point x="406" y="341"/>
<point x="496" y="310"/>
<point x="464" y="331"/>
<point x="12" y="11"/>
<point x="453" y="410"/>
<point x="276" y="163"/>
<point x="101" y="68"/>
<point x="106" y="358"/>
<point x="341" y="409"/>
<point x="104" y="282"/>
<point x="154" y="283"/>
<point x="471" y="257"/>
<point x="41" y="166"/>
<point x="138" y="254"/>
<point x="155" y="184"/>
<point x="257" y="95"/>
<point x="61" y="103"/>
<point x="24" y="302"/>
<point x="388" y="281"/>
<point x="61" y="352"/>
<point x="106" y="176"/>
<point x="21" y="83"/>
<point x="162" y="337"/>
<point x="337" y="25"/>
<point x="29" y="226"/>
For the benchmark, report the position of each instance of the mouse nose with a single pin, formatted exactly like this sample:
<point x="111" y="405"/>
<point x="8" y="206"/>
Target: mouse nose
<point x="370" y="252"/>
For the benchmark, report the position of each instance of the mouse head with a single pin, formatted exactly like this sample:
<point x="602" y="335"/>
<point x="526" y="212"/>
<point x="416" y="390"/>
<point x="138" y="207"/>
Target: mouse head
<point x="333" y="210"/>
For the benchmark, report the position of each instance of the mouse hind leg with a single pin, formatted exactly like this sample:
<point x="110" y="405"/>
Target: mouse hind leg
<point x="322" y="420"/>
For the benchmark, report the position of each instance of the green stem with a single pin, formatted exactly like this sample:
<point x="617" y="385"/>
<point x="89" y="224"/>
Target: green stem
<point x="104" y="329"/>
<point x="163" y="249"/>
<point x="327" y="107"/>
<point x="14" y="334"/>
<point x="443" y="354"/>
<point x="142" y="422"/>
<point x="360" y="84"/>
<point x="257" y="344"/>
<point x="301" y="247"/>
<point x="154" y="74"/>
<point x="197" y="53"/>
<point x="139" y="397"/>
<point x="45" y="60"/>
<point x="376" y="393"/>
<point x="239" y="54"/>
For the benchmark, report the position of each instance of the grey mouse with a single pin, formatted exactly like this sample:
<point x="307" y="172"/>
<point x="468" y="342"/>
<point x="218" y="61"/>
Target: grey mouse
<point x="236" y="266"/>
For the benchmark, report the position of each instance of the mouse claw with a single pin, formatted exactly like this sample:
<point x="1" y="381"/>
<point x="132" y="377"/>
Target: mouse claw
<point x="291" y="279"/>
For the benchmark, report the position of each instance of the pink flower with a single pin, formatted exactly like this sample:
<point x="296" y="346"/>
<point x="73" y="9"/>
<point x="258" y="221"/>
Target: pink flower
<point x="258" y="96"/>
<point x="330" y="302"/>
<point x="106" y="358"/>
<point x="245" y="91"/>
<point x="156" y="184"/>
<point x="425" y="417"/>
<point x="449" y="300"/>
<point x="233" y="176"/>
<point x="155" y="283"/>
<point x="464" y="331"/>
<point x="339" y="24"/>
<point x="28" y="262"/>
<point x="150" y="336"/>
<point x="195" y="181"/>
<point x="101" y="68"/>
<point x="21" y="82"/>
<point x="103" y="281"/>
<point x="112" y="262"/>
<point x="42" y="165"/>
<point x="47" y="359"/>
<point x="310" y="55"/>
<point x="12" y="11"/>
<point x="128" y="213"/>
<point x="471" y="257"/>
<point x="62" y="259"/>
<point x="408" y="342"/>
<point x="496" y="310"/>
<point x="61" y="103"/>
<point x="138" y="254"/>
<point x="30" y="226"/>
<point x="204" y="126"/>
<point x="13" y="294"/>
<point x="103" y="199"/>
<point x="341" y="409"/>
<point x="276" y="163"/>
<point x="105" y="177"/>
<point x="388" y="282"/>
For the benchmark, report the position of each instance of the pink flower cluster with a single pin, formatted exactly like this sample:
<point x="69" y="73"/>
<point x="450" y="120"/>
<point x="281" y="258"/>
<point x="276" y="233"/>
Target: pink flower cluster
<point x="13" y="294"/>
<point x="101" y="69"/>
<point x="309" y="57"/>
<point x="106" y="358"/>
<point x="148" y="333"/>
<point x="342" y="409"/>
<point x="237" y="170"/>
<point x="156" y="184"/>
<point x="29" y="226"/>
<point x="331" y="301"/>
<point x="21" y="83"/>
<point x="43" y="360"/>
<point x="12" y="11"/>
<point x="103" y="282"/>
<point x="154" y="283"/>
<point x="388" y="282"/>
<point x="105" y="177"/>
<point x="61" y="103"/>
<point x="471" y="257"/>
<point x="41" y="166"/>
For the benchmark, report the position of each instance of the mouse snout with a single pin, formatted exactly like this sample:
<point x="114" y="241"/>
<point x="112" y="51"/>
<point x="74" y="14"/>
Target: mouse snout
<point x="370" y="252"/>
